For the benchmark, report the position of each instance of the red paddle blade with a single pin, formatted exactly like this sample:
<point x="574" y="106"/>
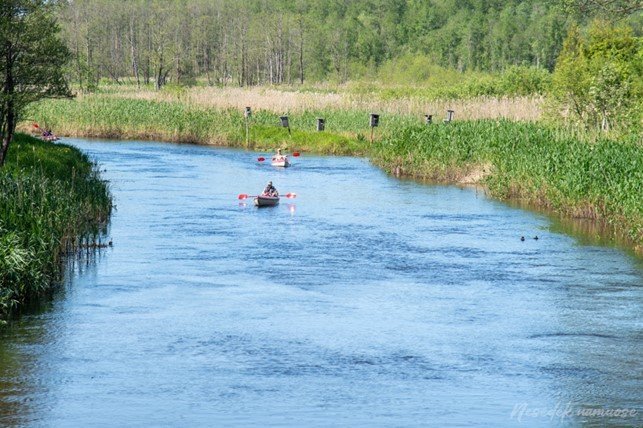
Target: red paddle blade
<point x="261" y="159"/>
<point x="296" y="154"/>
<point x="291" y="195"/>
<point x="243" y="196"/>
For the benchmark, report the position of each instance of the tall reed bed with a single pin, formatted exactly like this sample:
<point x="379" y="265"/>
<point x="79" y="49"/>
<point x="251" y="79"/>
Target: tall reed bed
<point x="600" y="179"/>
<point x="106" y="116"/>
<point x="52" y="200"/>
<point x="400" y="100"/>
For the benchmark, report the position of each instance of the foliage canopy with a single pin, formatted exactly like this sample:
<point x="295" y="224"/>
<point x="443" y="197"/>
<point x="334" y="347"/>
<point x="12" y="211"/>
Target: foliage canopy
<point x="32" y="57"/>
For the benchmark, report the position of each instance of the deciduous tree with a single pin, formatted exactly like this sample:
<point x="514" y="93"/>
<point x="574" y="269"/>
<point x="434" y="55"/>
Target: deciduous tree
<point x="598" y="76"/>
<point x="32" y="58"/>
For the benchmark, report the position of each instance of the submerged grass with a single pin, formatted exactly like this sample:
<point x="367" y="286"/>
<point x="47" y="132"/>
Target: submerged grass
<point x="576" y="175"/>
<point x="52" y="199"/>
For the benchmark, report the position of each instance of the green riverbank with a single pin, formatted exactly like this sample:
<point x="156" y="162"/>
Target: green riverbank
<point x="52" y="202"/>
<point x="543" y="167"/>
<point x="573" y="175"/>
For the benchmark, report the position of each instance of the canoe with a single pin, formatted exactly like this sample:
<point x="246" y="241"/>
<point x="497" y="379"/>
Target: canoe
<point x="280" y="161"/>
<point x="266" y="201"/>
<point x="48" y="138"/>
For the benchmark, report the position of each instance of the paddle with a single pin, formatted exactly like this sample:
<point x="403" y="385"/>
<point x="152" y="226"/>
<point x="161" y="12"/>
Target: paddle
<point x="296" y="154"/>
<point x="246" y="196"/>
<point x="261" y="159"/>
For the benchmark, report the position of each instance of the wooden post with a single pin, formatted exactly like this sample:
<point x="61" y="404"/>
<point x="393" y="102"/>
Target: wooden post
<point x="246" y="114"/>
<point x="374" y="122"/>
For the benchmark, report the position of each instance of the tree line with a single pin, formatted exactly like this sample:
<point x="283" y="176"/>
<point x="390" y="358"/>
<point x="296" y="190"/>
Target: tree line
<point x="288" y="41"/>
<point x="45" y="43"/>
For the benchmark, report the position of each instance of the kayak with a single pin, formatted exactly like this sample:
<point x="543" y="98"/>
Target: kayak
<point x="280" y="161"/>
<point x="49" y="138"/>
<point x="266" y="201"/>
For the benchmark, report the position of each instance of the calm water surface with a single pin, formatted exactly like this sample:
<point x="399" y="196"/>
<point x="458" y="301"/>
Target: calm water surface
<point x="366" y="301"/>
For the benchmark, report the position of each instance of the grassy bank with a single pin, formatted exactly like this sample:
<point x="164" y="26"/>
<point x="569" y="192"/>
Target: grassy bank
<point x="550" y="168"/>
<point x="100" y="116"/>
<point x="573" y="174"/>
<point x="52" y="201"/>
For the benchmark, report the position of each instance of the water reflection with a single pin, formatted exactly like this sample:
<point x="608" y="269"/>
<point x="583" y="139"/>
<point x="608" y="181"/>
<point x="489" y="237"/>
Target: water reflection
<point x="407" y="305"/>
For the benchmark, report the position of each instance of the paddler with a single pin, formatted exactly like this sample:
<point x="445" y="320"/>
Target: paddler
<point x="270" y="190"/>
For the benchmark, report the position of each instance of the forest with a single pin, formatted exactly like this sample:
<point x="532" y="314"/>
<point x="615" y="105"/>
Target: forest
<point x="236" y="42"/>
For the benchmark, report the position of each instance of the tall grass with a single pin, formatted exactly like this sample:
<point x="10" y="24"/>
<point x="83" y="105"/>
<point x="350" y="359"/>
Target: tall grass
<point x="51" y="200"/>
<point x="383" y="97"/>
<point x="600" y="179"/>
<point x="346" y="130"/>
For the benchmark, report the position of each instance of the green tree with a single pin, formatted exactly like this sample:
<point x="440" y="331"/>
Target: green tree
<point x="32" y="58"/>
<point x="607" y="9"/>
<point x="598" y="77"/>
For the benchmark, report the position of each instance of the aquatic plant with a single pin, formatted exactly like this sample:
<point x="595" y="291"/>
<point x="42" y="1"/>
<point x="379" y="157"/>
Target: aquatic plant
<point x="52" y="199"/>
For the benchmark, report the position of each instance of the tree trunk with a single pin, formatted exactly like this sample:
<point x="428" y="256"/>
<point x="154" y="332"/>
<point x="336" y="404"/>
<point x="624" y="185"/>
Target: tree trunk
<point x="605" y="125"/>
<point x="77" y="51"/>
<point x="242" y="76"/>
<point x="134" y="52"/>
<point x="8" y="132"/>
<point x="301" y="54"/>
<point x="159" y="77"/>
<point x="206" y="61"/>
<point x="9" y="119"/>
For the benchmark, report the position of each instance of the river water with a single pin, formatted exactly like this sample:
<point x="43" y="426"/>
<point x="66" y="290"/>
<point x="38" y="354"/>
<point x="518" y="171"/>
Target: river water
<point x="365" y="301"/>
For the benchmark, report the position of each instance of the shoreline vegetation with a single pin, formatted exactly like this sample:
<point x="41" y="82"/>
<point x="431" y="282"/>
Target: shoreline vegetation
<point x="53" y="202"/>
<point x="572" y="173"/>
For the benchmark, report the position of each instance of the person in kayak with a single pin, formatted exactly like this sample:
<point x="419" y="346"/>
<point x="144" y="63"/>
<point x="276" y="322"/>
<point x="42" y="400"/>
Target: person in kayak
<point x="278" y="157"/>
<point x="270" y="190"/>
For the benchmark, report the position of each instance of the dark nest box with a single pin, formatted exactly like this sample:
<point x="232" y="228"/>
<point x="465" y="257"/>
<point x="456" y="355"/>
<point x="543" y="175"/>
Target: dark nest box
<point x="428" y="119"/>
<point x="375" y="120"/>
<point x="284" y="121"/>
<point x="247" y="112"/>
<point x="321" y="124"/>
<point x="449" y="118"/>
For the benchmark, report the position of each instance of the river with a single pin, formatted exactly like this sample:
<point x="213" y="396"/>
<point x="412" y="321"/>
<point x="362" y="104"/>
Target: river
<point x="365" y="301"/>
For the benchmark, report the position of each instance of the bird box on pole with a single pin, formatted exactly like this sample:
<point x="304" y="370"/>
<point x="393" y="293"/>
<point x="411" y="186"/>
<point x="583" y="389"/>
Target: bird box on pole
<point x="284" y="123"/>
<point x="374" y="122"/>
<point x="247" y="113"/>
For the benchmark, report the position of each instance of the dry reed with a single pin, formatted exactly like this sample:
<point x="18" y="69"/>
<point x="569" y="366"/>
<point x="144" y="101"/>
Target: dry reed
<point x="281" y="101"/>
